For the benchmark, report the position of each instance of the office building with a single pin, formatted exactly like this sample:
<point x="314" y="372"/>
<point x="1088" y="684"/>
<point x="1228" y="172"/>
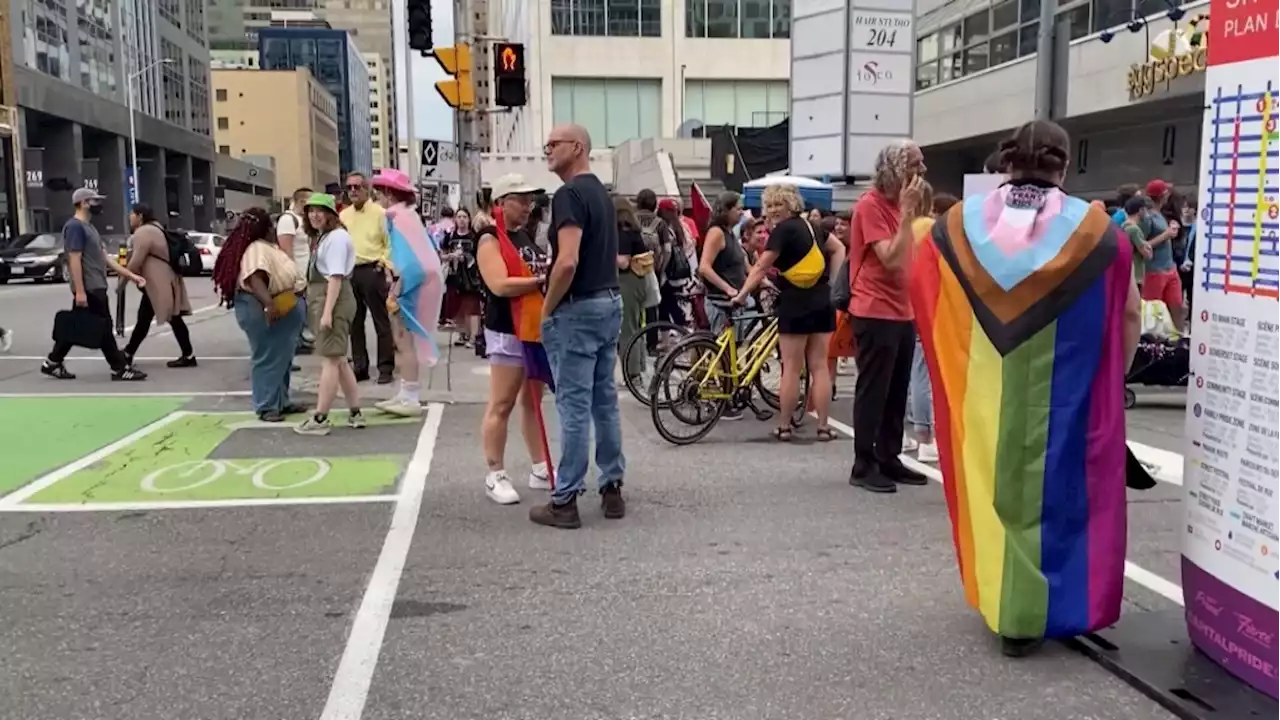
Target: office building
<point x="285" y="114"/>
<point x="335" y="61"/>
<point x="643" y="68"/>
<point x="976" y="74"/>
<point x="242" y="184"/>
<point x="234" y="24"/>
<point x="75" y="66"/>
<point x="382" y="111"/>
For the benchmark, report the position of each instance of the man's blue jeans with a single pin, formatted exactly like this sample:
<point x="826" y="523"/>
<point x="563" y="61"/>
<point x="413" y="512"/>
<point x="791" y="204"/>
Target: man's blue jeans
<point x="581" y="339"/>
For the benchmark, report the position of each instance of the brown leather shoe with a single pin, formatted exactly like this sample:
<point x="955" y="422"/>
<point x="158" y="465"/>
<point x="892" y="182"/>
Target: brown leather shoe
<point x="611" y="500"/>
<point x="557" y="516"/>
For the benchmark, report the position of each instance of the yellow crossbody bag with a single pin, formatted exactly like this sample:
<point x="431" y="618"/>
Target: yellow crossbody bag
<point x="808" y="271"/>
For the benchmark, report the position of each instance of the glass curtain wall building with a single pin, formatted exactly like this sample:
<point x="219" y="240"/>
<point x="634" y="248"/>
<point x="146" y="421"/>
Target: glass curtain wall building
<point x="333" y="58"/>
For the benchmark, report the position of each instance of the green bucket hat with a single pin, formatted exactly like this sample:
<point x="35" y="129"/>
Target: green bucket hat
<point x="323" y="200"/>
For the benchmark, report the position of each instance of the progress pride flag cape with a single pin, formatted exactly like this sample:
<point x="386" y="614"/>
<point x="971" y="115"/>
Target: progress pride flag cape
<point x="1019" y="298"/>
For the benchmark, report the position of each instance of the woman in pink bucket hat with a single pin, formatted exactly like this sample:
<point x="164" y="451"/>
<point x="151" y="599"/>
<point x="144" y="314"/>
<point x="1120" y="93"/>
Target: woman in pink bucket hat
<point x="417" y="289"/>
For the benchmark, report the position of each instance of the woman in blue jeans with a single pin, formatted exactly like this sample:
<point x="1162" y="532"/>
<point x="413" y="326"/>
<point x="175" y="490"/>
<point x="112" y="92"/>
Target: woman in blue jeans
<point x="254" y="276"/>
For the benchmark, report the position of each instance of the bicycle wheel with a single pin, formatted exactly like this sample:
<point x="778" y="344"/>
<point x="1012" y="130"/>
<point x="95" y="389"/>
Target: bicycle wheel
<point x="769" y="379"/>
<point x="668" y="334"/>
<point x="677" y="390"/>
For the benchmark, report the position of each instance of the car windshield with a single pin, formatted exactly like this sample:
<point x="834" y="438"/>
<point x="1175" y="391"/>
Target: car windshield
<point x="44" y="241"/>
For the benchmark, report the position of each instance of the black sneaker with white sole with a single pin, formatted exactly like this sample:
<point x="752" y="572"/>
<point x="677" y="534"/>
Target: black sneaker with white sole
<point x="57" y="371"/>
<point x="128" y="374"/>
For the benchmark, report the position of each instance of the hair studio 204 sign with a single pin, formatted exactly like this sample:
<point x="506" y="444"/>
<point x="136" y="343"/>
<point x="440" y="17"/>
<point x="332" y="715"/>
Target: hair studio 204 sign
<point x="1173" y="54"/>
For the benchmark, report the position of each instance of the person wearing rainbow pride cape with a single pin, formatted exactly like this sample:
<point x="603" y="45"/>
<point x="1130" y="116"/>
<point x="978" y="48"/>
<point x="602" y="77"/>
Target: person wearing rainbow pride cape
<point x="1029" y="316"/>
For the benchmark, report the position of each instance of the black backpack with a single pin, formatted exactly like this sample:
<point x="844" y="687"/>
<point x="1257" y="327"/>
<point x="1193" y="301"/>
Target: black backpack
<point x="184" y="257"/>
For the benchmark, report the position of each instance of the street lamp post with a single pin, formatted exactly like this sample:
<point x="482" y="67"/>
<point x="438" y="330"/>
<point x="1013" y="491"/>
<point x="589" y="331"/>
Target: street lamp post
<point x="136" y="190"/>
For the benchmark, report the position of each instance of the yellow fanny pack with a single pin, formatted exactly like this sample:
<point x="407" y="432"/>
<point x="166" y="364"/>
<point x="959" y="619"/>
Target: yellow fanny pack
<point x="808" y="271"/>
<point x="642" y="264"/>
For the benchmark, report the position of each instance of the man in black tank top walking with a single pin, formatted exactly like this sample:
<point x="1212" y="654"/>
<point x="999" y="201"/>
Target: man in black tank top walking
<point x="582" y="318"/>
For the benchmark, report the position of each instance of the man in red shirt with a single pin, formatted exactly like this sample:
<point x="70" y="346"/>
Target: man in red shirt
<point x="880" y="249"/>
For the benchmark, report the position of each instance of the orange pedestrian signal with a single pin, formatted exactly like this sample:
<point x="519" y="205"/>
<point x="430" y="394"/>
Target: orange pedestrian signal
<point x="508" y="75"/>
<point x="508" y="59"/>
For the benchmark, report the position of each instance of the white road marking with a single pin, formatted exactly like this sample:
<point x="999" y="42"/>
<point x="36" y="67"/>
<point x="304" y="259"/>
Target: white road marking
<point x="98" y="358"/>
<point x="1168" y="465"/>
<point x="1142" y="576"/>
<point x="351" y="683"/>
<point x="13" y="499"/>
<point x="193" y="394"/>
<point x="195" y="504"/>
<point x="197" y="311"/>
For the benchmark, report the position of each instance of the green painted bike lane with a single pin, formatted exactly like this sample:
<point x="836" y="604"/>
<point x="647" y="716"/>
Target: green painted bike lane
<point x="43" y="434"/>
<point x="183" y="459"/>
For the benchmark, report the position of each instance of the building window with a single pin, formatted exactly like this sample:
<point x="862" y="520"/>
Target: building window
<point x="607" y="18"/>
<point x="45" y="38"/>
<point x="220" y="95"/>
<point x="174" y="84"/>
<point x="96" y="36"/>
<point x="612" y="110"/>
<point x="171" y="10"/>
<point x="224" y="149"/>
<point x="738" y="18"/>
<point x="224" y="123"/>
<point x="195" y="20"/>
<point x="992" y="36"/>
<point x="742" y="103"/>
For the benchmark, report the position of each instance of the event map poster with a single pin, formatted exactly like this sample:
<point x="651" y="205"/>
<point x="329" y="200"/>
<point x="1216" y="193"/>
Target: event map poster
<point x="1229" y="561"/>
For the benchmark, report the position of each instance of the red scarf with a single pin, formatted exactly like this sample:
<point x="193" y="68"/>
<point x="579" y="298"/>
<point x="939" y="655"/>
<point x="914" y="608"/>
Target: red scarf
<point x="526" y="310"/>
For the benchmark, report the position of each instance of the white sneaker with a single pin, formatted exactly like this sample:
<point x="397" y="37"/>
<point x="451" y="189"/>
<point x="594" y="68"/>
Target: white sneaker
<point x="909" y="443"/>
<point x="389" y="402"/>
<point x="927" y="452"/>
<point x="539" y="478"/>
<point x="402" y="408"/>
<point x="498" y="487"/>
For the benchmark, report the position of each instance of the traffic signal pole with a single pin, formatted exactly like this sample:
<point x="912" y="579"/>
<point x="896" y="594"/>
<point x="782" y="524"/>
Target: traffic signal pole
<point x="466" y="129"/>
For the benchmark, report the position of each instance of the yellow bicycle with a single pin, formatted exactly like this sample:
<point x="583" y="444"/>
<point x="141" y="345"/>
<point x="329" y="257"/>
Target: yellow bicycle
<point x="702" y="377"/>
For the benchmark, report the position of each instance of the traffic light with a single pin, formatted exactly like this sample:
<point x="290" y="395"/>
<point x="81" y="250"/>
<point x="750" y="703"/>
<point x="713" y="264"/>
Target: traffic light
<point x="460" y="92"/>
<point x="508" y="75"/>
<point x="418" y="14"/>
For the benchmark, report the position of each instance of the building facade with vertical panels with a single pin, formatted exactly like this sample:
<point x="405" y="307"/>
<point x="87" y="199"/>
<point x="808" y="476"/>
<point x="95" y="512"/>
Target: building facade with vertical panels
<point x="976" y="80"/>
<point x="75" y="65"/>
<point x="672" y="65"/>
<point x="285" y="114"/>
<point x="382" y="111"/>
<point x="335" y="61"/>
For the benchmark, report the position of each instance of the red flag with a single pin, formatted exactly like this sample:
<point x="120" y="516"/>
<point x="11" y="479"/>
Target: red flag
<point x="700" y="209"/>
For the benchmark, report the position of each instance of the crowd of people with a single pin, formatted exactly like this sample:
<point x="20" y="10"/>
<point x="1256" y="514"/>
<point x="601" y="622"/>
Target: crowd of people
<point x="991" y="335"/>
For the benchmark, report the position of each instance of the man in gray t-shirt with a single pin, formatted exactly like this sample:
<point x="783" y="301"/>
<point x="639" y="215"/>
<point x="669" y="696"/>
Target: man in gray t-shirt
<point x="82" y="237"/>
<point x="88" y="263"/>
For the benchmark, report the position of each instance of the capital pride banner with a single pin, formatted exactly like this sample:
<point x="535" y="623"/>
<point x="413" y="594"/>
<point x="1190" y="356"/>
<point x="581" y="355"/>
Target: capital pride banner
<point x="1230" y="574"/>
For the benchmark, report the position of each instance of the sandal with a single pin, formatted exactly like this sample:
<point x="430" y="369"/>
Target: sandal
<point x="782" y="434"/>
<point x="825" y="434"/>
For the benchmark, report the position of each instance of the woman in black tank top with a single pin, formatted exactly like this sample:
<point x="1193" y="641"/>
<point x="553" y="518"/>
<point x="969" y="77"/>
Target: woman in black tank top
<point x="723" y="265"/>
<point x="506" y="352"/>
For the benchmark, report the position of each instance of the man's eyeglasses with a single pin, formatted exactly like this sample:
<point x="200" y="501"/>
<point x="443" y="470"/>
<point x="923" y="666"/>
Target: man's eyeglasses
<point x="354" y="188"/>
<point x="553" y="144"/>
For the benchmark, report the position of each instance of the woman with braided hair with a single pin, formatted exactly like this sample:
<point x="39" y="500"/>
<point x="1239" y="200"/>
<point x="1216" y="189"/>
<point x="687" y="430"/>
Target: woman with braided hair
<point x="259" y="281"/>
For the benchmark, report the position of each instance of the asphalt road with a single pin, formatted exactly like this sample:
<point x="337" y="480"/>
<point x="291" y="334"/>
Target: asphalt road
<point x="748" y="580"/>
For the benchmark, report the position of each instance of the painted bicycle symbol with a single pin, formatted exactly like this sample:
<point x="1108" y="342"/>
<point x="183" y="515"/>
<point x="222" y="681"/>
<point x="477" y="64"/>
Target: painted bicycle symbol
<point x="192" y="474"/>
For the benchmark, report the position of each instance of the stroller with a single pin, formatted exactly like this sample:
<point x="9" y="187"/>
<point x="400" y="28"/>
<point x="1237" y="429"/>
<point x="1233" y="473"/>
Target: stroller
<point x="1163" y="358"/>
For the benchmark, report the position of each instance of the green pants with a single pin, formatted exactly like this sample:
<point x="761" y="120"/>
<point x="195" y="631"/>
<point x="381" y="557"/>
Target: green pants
<point x="632" y="289"/>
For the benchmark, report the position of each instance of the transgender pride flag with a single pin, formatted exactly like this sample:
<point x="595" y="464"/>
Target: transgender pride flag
<point x="415" y="257"/>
